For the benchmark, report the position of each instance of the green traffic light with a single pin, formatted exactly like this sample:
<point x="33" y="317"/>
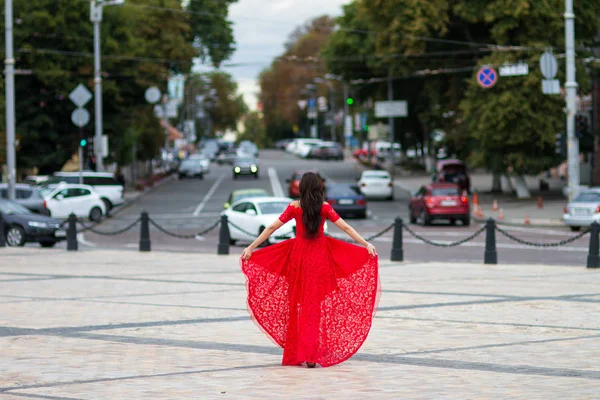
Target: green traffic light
<point x="350" y="101"/>
<point x="82" y="142"/>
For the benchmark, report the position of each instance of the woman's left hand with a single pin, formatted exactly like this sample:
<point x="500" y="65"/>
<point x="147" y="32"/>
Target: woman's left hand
<point x="371" y="249"/>
<point x="247" y="253"/>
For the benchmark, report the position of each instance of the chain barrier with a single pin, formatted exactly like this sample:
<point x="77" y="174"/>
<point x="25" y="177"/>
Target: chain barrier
<point x="383" y="232"/>
<point x="177" y="236"/>
<point x="453" y="244"/>
<point x="114" y="233"/>
<point x="533" y="244"/>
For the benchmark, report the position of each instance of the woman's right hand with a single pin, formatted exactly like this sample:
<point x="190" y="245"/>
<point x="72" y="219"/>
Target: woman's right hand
<point x="371" y="249"/>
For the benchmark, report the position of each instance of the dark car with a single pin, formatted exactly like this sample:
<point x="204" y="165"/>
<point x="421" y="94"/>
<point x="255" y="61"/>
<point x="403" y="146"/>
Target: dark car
<point x="452" y="171"/>
<point x="245" y="165"/>
<point x="294" y="182"/>
<point x="27" y="196"/>
<point x="327" y="151"/>
<point x="227" y="157"/>
<point x="282" y="144"/>
<point x="346" y="199"/>
<point x="22" y="226"/>
<point x="439" y="201"/>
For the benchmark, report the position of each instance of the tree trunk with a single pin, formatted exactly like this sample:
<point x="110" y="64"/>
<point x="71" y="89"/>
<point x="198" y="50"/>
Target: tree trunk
<point x="496" y="182"/>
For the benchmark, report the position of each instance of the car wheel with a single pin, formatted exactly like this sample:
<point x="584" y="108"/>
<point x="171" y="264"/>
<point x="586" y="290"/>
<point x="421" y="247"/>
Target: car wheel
<point x="48" y="243"/>
<point x="362" y="215"/>
<point x="466" y="221"/>
<point x="95" y="214"/>
<point x="424" y="219"/>
<point x="266" y="242"/>
<point x="575" y="228"/>
<point x="256" y="176"/>
<point x="15" y="236"/>
<point x="413" y="219"/>
<point x="108" y="206"/>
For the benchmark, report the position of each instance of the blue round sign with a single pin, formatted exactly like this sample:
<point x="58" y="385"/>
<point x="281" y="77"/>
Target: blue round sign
<point x="487" y="77"/>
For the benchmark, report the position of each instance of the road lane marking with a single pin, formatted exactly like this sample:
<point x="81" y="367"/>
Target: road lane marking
<point x="275" y="183"/>
<point x="81" y="239"/>
<point x="208" y="195"/>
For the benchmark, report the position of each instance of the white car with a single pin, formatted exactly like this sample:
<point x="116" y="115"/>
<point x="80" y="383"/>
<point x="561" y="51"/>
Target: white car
<point x="104" y="183"/>
<point x="255" y="214"/>
<point x="81" y="200"/>
<point x="376" y="184"/>
<point x="203" y="160"/>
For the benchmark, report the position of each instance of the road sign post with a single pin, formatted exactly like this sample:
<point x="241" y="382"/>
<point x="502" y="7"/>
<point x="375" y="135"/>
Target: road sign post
<point x="549" y="68"/>
<point x="571" y="86"/>
<point x="80" y="96"/>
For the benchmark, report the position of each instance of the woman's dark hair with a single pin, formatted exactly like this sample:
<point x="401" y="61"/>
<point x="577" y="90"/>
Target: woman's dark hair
<point x="311" y="200"/>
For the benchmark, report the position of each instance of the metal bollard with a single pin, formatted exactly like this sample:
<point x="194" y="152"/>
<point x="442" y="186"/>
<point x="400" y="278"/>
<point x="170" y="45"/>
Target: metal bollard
<point x="2" y="239"/>
<point x="223" y="248"/>
<point x="593" y="260"/>
<point x="397" y="249"/>
<point x="72" y="244"/>
<point x="491" y="255"/>
<point x="145" y="232"/>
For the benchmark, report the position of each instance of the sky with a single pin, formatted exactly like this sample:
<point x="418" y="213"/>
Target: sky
<point x="261" y="27"/>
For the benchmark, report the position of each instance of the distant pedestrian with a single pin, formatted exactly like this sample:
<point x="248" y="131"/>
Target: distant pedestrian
<point x="313" y="295"/>
<point x="120" y="177"/>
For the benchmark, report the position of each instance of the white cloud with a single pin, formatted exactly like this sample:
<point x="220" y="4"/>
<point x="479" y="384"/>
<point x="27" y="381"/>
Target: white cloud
<point x="261" y="27"/>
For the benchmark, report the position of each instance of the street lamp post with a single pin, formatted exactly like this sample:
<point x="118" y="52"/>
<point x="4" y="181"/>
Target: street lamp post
<point x="96" y="17"/>
<point x="9" y="72"/>
<point x="571" y="86"/>
<point x="331" y="102"/>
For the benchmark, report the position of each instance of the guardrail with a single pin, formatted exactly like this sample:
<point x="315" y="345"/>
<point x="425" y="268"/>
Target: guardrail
<point x="490" y="228"/>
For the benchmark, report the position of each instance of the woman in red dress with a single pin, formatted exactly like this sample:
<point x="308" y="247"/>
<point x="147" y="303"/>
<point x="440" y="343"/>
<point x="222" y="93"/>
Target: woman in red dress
<point x="313" y="295"/>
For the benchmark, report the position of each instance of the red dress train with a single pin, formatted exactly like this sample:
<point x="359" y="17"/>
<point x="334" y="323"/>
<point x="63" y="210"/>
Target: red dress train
<point x="316" y="298"/>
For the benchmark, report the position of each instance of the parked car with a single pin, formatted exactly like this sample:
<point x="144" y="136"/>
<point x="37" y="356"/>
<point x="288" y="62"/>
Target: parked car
<point x="452" y="171"/>
<point x="81" y="200"/>
<point x="376" y="184"/>
<point x="305" y="146"/>
<point x="245" y="165"/>
<point x="22" y="226"/>
<point x="583" y="210"/>
<point x="253" y="215"/>
<point x="439" y="201"/>
<point x="294" y="182"/>
<point x="27" y="196"/>
<point x="346" y="199"/>
<point x="35" y="180"/>
<point x="282" y="144"/>
<point x="238" y="195"/>
<point x="105" y="184"/>
<point x="191" y="168"/>
<point x="327" y="151"/>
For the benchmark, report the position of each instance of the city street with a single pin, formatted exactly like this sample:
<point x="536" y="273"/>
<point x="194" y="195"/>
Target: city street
<point x="188" y="206"/>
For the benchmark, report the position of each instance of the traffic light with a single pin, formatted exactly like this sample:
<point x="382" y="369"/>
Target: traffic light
<point x="83" y="142"/>
<point x="349" y="101"/>
<point x="561" y="144"/>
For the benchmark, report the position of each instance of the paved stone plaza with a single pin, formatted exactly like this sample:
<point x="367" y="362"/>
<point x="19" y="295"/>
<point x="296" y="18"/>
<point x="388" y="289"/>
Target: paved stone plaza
<point x="127" y="325"/>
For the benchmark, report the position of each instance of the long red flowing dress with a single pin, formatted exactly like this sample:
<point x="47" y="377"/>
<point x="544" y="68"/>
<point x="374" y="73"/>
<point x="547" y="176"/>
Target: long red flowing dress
<point x="315" y="297"/>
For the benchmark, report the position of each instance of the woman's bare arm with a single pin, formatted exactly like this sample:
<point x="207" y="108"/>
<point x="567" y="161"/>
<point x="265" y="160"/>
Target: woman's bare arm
<point x="261" y="238"/>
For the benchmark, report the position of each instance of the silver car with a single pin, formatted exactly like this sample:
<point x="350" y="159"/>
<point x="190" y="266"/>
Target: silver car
<point x="27" y="196"/>
<point x="584" y="210"/>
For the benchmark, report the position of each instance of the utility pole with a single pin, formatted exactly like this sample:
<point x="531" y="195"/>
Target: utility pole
<point x="571" y="87"/>
<point x="346" y="113"/>
<point x="96" y="18"/>
<point x="9" y="72"/>
<point x="390" y="90"/>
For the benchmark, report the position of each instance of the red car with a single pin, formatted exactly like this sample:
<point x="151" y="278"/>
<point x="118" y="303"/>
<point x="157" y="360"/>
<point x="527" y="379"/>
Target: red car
<point x="439" y="201"/>
<point x="294" y="182"/>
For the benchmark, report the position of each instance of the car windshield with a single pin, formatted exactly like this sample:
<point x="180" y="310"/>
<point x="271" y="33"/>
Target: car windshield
<point x="189" y="163"/>
<point x="380" y="175"/>
<point x="449" y="191"/>
<point x="342" y="190"/>
<point x="245" y="160"/>
<point x="275" y="207"/>
<point x="239" y="196"/>
<point x="10" y="208"/>
<point x="589" y="197"/>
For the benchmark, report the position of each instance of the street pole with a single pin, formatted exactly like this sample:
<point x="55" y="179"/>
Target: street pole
<point x="346" y="111"/>
<point x="332" y="101"/>
<point x="96" y="18"/>
<point x="9" y="72"/>
<point x="390" y="90"/>
<point x="571" y="86"/>
<point x="166" y="122"/>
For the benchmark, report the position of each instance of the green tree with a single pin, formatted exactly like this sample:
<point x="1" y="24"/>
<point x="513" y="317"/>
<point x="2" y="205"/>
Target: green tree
<point x="254" y="130"/>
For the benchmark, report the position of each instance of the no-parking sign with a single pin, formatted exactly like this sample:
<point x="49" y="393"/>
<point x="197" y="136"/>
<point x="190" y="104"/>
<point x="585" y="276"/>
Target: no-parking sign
<point x="487" y="77"/>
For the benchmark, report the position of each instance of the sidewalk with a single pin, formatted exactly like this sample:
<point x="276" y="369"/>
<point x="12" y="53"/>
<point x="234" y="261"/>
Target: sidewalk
<point x="115" y="325"/>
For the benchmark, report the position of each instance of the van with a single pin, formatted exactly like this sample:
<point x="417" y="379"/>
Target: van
<point x="111" y="192"/>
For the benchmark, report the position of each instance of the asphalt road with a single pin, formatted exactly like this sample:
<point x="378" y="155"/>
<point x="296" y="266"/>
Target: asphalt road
<point x="188" y="206"/>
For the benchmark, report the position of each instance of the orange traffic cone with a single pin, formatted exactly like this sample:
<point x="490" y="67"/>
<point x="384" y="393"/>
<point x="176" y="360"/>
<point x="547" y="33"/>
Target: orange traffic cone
<point x="527" y="221"/>
<point x="475" y="199"/>
<point x="501" y="215"/>
<point x="540" y="202"/>
<point x="495" y="205"/>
